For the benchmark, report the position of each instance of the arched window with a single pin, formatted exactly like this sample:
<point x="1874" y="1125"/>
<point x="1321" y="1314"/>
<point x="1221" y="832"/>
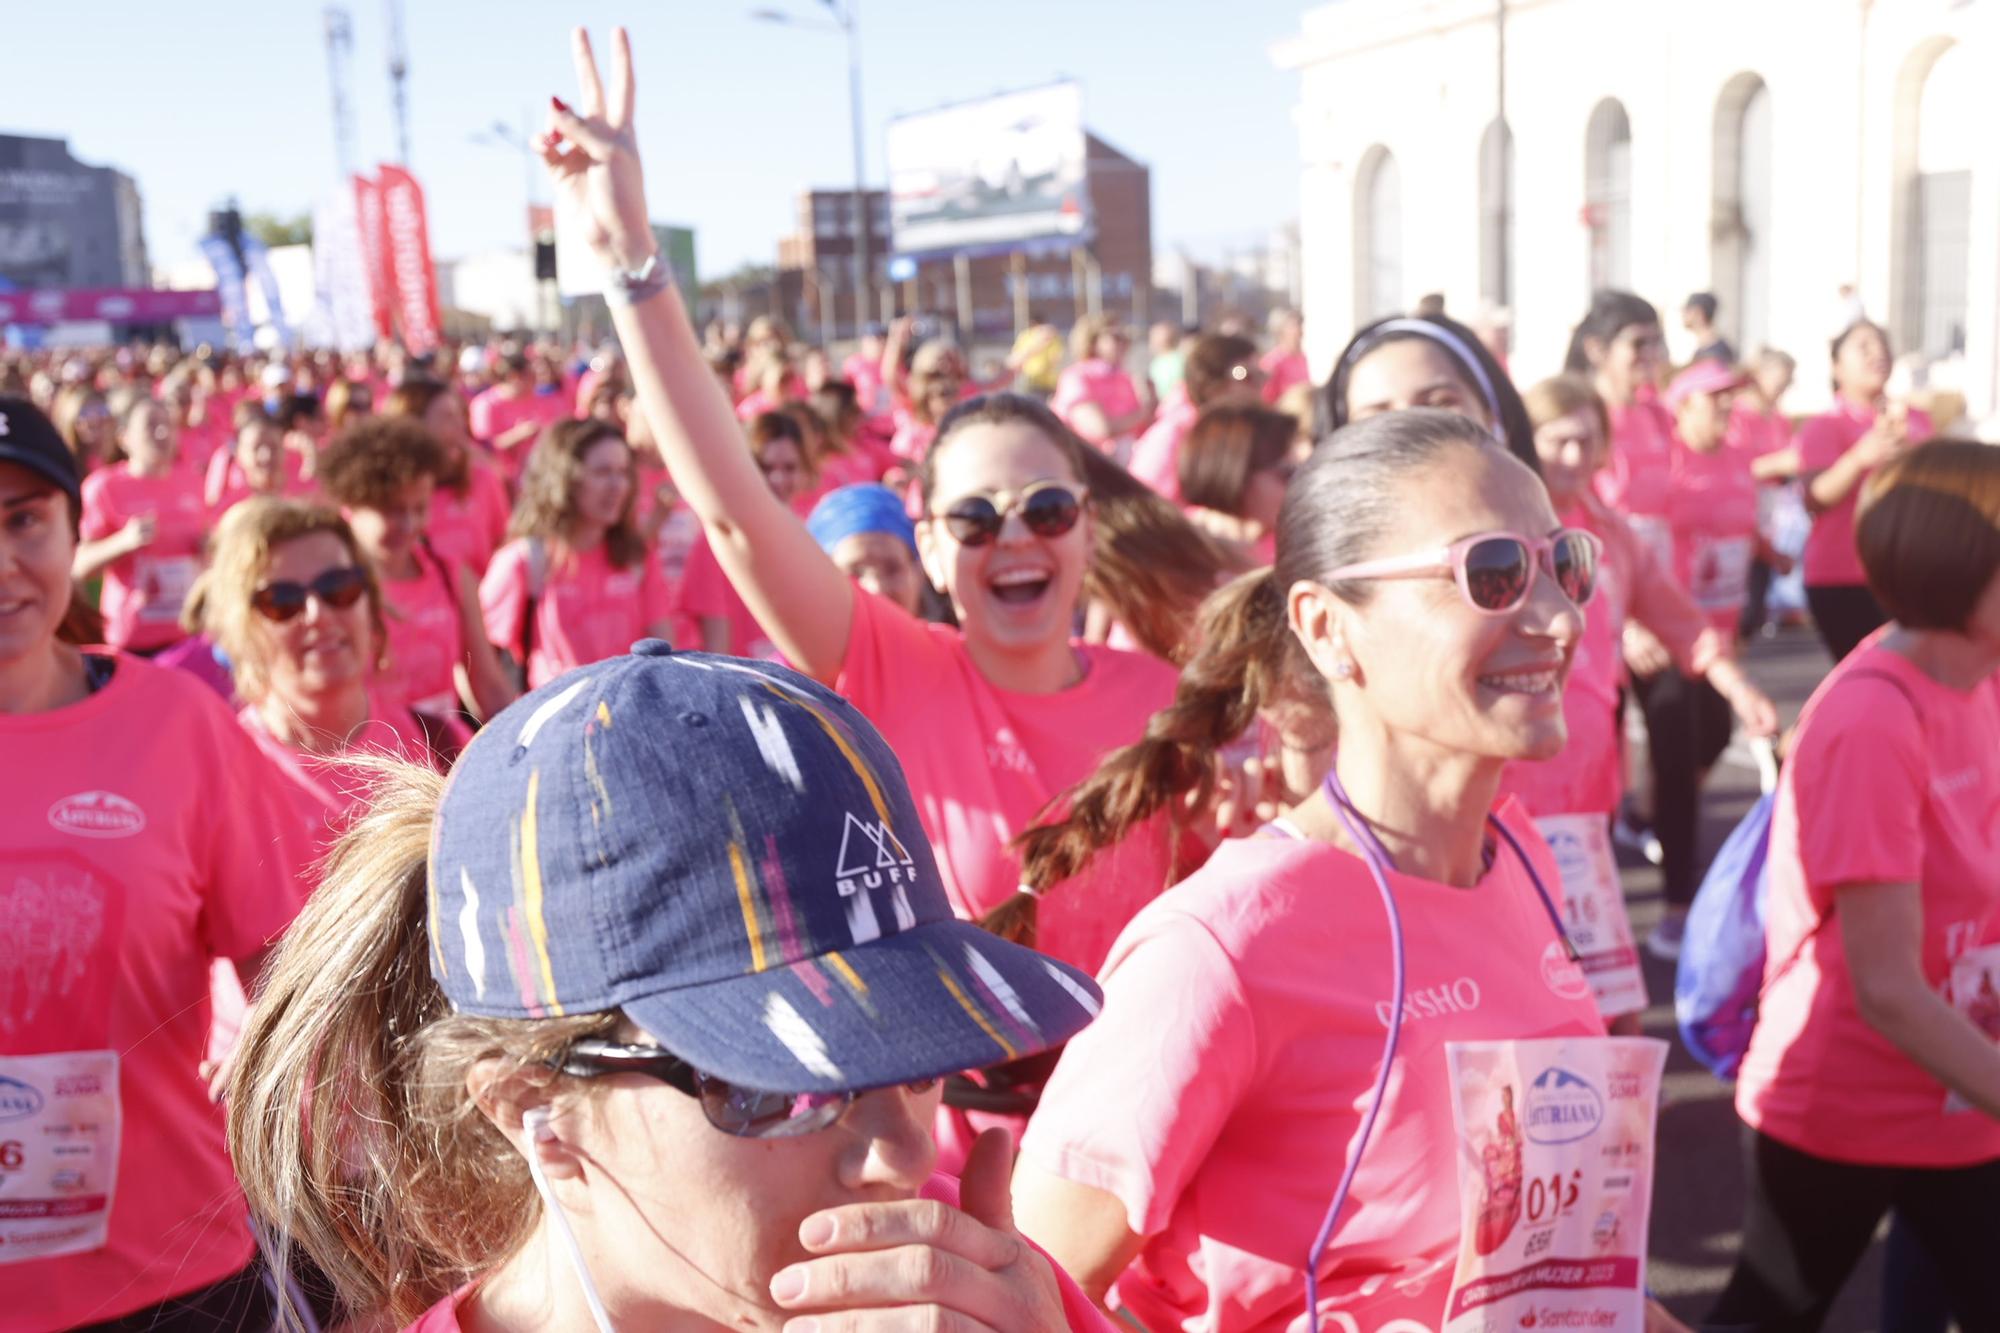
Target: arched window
<point x="1740" y="234"/>
<point x="1378" y="236"/>
<point x="1937" y="139"/>
<point x="1496" y="214"/>
<point x="1607" y="194"/>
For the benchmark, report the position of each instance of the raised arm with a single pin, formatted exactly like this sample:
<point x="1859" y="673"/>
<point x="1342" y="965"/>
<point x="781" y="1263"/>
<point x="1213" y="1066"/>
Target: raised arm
<point x="798" y="595"/>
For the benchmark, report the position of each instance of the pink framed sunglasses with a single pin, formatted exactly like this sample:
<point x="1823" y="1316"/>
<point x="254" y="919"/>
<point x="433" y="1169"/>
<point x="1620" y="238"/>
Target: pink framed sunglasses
<point x="1495" y="571"/>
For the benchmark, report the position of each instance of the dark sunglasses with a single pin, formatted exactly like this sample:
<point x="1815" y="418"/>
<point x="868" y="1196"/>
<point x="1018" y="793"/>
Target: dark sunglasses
<point x="1495" y="571"/>
<point x="1047" y="509"/>
<point x="335" y="588"/>
<point x="744" y="1113"/>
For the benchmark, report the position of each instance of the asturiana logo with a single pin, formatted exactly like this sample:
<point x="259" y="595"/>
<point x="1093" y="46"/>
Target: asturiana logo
<point x="1562" y="1107"/>
<point x="18" y="1100"/>
<point x="97" y="814"/>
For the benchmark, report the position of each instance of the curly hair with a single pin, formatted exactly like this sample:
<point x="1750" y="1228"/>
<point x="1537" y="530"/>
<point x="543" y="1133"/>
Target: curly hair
<point x="376" y="459"/>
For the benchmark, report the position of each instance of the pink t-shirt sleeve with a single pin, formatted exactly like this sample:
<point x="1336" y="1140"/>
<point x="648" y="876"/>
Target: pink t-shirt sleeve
<point x="656" y="602"/>
<point x="256" y="858"/>
<point x="704" y="587"/>
<point x="891" y="658"/>
<point x="1859" y="779"/>
<point x="503" y="597"/>
<point x="1176" y="1046"/>
<point x="100" y="515"/>
<point x="1821" y="443"/>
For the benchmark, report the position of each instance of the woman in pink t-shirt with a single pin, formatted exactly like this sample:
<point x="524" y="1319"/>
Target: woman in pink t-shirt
<point x="144" y="843"/>
<point x="1618" y="346"/>
<point x="1180" y="1162"/>
<point x="256" y="463"/>
<point x="707" y="599"/>
<point x="1234" y="469"/>
<point x="1219" y="370"/>
<point x="577" y="583"/>
<point x="1285" y="365"/>
<point x="1837" y="451"/>
<point x="469" y="508"/>
<point x="383" y="474"/>
<point x="1095" y="395"/>
<point x="143" y="522"/>
<point x="1425" y="361"/>
<point x="1869" y="1084"/>
<point x="295" y="605"/>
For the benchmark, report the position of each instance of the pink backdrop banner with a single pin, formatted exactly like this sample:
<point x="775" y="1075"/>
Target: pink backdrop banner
<point x="118" y="305"/>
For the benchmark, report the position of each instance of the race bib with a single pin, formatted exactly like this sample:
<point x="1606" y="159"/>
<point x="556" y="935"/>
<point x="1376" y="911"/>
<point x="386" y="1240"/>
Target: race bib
<point x="1975" y="989"/>
<point x="1555" y="1174"/>
<point x="1594" y="911"/>
<point x="58" y="1152"/>
<point x="1656" y="534"/>
<point x="1720" y="577"/>
<point x="164" y="580"/>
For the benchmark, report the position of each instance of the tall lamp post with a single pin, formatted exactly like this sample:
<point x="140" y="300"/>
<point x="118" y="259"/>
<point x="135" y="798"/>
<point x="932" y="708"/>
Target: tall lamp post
<point x="845" y="20"/>
<point x="502" y="135"/>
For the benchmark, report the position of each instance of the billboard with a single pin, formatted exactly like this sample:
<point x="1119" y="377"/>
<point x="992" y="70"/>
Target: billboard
<point x="990" y="175"/>
<point x="64" y="223"/>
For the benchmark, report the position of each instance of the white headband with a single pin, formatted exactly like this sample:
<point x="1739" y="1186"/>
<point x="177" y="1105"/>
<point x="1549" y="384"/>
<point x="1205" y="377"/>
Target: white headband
<point x="1446" y="339"/>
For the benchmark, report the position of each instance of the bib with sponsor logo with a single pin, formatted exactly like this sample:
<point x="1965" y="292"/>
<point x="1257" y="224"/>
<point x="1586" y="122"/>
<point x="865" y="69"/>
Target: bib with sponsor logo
<point x="1555" y="1171"/>
<point x="1594" y="911"/>
<point x="58" y="1152"/>
<point x="1975" y="990"/>
<point x="1719" y="575"/>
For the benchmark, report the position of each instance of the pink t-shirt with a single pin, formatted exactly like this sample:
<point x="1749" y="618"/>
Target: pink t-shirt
<point x="1588" y="776"/>
<point x="913" y="440"/>
<point x="1156" y="458"/>
<point x="1831" y="558"/>
<point x="1095" y="381"/>
<point x="1638" y="478"/>
<point x="1218" y="1093"/>
<point x="426" y="636"/>
<point x="707" y="594"/>
<point x="143" y="592"/>
<point x="587" y="610"/>
<point x="324" y="793"/>
<point x="468" y="529"/>
<point x="225" y="480"/>
<point x="492" y="414"/>
<point x="865" y="374"/>
<point x="982" y="761"/>
<point x="1712" y="509"/>
<point x="143" y="839"/>
<point x="1080" y="1316"/>
<point x="1884" y="789"/>
<point x="1757" y="432"/>
<point x="1282" y="371"/>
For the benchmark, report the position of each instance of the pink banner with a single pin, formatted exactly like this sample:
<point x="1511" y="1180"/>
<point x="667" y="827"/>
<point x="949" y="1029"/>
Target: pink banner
<point x="373" y="225"/>
<point x="118" y="305"/>
<point x="410" y="264"/>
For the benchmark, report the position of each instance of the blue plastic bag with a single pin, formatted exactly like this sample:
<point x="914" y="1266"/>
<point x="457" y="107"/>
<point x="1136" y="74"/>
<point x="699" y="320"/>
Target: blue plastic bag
<point x="1721" y="973"/>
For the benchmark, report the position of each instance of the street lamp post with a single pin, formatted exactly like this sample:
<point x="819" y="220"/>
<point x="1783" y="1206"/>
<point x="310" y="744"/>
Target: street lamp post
<point x="502" y="135"/>
<point x="846" y="20"/>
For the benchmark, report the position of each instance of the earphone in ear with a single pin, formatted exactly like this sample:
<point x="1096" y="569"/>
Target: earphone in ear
<point x="536" y="1121"/>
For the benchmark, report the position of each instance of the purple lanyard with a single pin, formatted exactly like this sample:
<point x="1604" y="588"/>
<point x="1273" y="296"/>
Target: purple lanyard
<point x="1376" y="857"/>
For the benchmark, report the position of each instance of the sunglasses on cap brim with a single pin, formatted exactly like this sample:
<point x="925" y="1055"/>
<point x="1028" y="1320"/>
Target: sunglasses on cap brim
<point x="744" y="1113"/>
<point x="335" y="588"/>
<point x="1047" y="509"/>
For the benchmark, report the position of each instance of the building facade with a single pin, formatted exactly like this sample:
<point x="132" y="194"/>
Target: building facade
<point x="1520" y="153"/>
<point x="65" y="223"/>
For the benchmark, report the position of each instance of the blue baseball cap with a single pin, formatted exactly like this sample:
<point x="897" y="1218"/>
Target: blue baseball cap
<point x="727" y="853"/>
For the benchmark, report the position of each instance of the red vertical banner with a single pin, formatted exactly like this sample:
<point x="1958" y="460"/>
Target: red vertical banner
<point x="410" y="267"/>
<point x="372" y="224"/>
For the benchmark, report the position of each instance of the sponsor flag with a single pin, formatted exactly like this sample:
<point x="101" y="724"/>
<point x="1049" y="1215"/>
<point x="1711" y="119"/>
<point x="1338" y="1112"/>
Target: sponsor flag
<point x="412" y="274"/>
<point x="373" y="228"/>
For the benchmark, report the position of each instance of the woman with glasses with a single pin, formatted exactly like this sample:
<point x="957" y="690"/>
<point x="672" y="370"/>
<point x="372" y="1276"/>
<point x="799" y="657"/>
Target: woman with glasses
<point x="1426" y="592"/>
<point x="292" y="602"/>
<point x="648" y="1060"/>
<point x="577" y="582"/>
<point x="143" y="842"/>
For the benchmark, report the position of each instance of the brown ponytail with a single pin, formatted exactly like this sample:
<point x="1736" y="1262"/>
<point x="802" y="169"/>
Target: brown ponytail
<point x="1247" y="661"/>
<point x="350" y="1123"/>
<point x="1148" y="564"/>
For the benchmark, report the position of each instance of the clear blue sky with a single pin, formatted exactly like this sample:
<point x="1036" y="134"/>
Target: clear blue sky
<point x="735" y="116"/>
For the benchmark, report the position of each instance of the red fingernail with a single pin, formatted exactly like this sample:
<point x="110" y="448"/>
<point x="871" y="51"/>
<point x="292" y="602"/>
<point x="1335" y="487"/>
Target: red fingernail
<point x="559" y="105"/>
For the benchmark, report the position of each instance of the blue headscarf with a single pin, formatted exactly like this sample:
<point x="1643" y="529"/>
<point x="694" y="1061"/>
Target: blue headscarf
<point x="852" y="510"/>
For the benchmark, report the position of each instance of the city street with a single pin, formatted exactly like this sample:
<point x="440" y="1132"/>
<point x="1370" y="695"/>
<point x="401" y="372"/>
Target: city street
<point x="1697" y="1201"/>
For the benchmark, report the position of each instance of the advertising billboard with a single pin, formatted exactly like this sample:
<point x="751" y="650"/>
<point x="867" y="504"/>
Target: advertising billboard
<point x="989" y="175"/>
<point x="64" y="223"/>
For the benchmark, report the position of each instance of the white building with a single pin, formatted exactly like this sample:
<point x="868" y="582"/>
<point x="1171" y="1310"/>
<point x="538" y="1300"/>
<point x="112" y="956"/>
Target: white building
<point x="1523" y="152"/>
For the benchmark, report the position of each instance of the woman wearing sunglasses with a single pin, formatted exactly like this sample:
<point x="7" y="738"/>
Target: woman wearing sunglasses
<point x="291" y="600"/>
<point x="1189" y="1139"/>
<point x="142" y="844"/>
<point x="383" y="473"/>
<point x="651" y="1059"/>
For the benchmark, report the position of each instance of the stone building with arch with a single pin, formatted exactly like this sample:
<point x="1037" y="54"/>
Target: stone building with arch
<point x="1519" y="153"/>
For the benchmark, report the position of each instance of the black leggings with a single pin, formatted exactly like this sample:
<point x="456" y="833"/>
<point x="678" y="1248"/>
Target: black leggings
<point x="1844" y="614"/>
<point x="1807" y="1221"/>
<point x="1687" y="729"/>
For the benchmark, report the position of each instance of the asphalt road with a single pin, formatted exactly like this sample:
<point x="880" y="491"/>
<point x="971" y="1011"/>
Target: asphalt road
<point x="1697" y="1191"/>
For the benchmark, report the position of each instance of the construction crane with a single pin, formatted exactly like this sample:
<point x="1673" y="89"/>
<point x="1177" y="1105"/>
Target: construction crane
<point x="339" y="60"/>
<point x="399" y="74"/>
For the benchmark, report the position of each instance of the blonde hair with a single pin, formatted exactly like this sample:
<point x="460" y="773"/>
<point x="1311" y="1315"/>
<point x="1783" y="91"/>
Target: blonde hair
<point x="1083" y="335"/>
<point x="350" y="1122"/>
<point x="240" y="555"/>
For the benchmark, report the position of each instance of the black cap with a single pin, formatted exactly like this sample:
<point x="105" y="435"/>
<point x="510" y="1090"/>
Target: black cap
<point x="29" y="439"/>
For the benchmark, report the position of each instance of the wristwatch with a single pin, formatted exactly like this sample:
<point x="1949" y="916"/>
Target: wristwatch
<point x="629" y="286"/>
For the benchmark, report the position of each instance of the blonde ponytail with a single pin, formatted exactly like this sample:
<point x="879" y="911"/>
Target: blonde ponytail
<point x="350" y="1123"/>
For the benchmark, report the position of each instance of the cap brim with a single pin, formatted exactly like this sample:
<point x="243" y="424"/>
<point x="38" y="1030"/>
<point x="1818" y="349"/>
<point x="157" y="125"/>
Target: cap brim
<point x="933" y="1000"/>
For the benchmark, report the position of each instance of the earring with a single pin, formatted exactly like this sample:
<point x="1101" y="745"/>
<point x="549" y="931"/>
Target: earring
<point x="1343" y="670"/>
